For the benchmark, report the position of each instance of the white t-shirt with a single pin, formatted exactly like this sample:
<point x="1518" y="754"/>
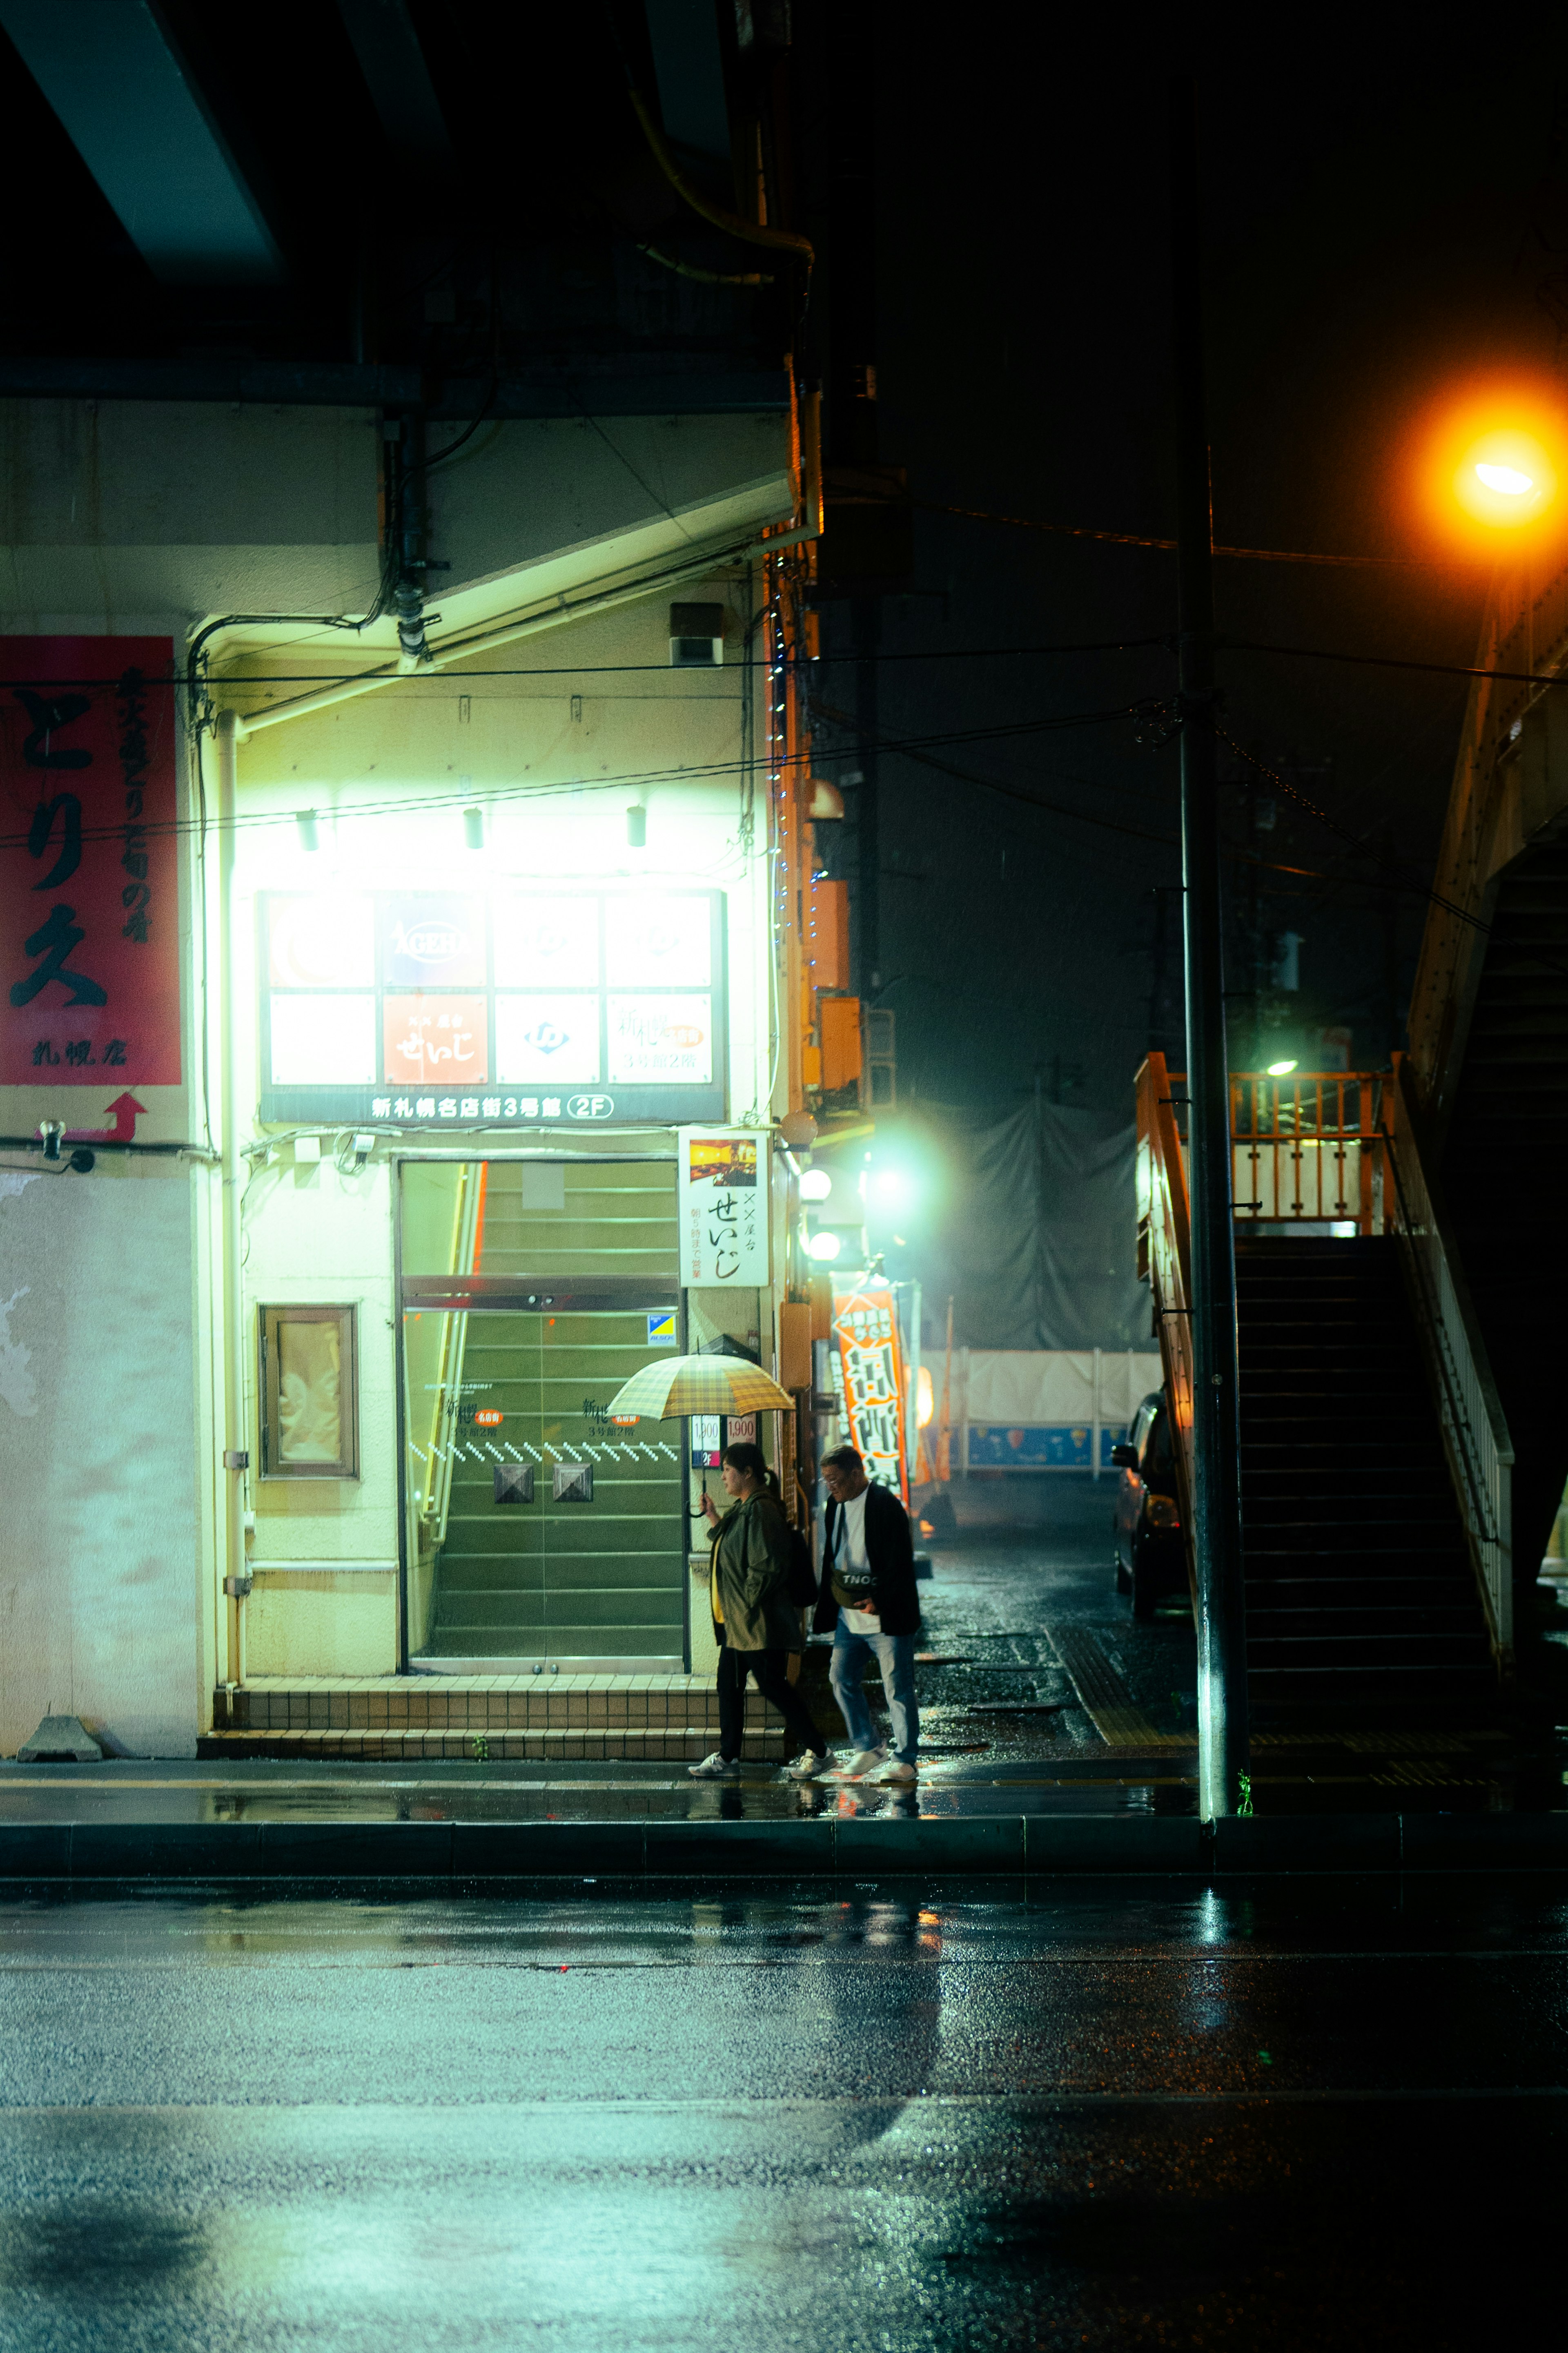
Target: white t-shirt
<point x="850" y="1554"/>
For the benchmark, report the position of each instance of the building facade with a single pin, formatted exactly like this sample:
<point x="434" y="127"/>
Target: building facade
<point x="411" y="913"/>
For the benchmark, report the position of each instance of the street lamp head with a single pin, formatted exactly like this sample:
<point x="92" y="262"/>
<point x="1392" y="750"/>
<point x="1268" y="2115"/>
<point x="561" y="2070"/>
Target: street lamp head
<point x="1505" y="478"/>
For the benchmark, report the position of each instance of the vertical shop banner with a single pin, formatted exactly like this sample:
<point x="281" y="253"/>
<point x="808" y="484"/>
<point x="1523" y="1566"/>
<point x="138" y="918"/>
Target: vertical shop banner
<point x="89" y="940"/>
<point x="871" y="1359"/>
<point x="723" y="1207"/>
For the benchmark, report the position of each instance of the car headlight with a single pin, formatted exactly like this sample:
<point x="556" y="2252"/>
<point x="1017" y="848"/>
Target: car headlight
<point x="1162" y="1513"/>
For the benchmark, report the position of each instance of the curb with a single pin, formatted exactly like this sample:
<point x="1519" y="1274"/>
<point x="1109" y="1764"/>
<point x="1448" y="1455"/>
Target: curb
<point x="1016" y="1845"/>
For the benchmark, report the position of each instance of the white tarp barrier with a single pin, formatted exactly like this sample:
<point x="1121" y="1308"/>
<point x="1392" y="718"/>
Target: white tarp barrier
<point x="1043" y="1410"/>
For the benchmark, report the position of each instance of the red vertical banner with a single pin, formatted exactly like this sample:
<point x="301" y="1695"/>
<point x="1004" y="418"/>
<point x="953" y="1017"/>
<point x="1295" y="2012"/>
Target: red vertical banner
<point x="89" y="929"/>
<point x="871" y="1364"/>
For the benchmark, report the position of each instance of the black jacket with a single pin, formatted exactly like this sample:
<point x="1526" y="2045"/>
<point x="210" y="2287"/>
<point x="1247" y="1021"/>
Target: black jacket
<point x="890" y="1550"/>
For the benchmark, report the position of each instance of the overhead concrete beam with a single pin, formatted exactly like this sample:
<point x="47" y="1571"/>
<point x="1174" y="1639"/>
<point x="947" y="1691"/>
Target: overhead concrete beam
<point x="135" y="112"/>
<point x="401" y="90"/>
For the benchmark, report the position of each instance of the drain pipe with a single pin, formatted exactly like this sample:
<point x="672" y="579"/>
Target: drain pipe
<point x="236" y="1434"/>
<point x="408" y="598"/>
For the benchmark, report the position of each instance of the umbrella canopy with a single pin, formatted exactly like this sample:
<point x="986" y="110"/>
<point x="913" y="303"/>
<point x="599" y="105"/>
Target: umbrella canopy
<point x="679" y="1385"/>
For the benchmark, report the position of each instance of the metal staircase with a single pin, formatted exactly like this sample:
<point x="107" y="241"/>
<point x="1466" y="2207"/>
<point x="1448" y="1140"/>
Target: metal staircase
<point x="1375" y="1457"/>
<point x="1359" y="1583"/>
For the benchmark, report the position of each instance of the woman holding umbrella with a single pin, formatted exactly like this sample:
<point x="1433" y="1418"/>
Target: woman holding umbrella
<point x="756" y="1624"/>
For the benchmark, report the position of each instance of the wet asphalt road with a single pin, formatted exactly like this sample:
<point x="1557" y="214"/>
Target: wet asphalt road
<point x="1306" y="2113"/>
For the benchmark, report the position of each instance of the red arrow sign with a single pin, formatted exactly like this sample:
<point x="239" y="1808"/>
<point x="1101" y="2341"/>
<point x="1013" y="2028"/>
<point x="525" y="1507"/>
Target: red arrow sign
<point x="125" y="1108"/>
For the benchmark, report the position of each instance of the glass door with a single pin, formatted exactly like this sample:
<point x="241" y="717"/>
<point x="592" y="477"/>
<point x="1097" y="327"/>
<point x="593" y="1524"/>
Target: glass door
<point x="539" y="1531"/>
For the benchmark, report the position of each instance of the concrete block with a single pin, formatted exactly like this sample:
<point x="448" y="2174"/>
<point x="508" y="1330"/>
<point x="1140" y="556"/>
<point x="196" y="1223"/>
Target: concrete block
<point x="356" y="1850"/>
<point x="164" y="1849"/>
<point x="1306" y="1842"/>
<point x="1097" y="1842"/>
<point x="547" y="1849"/>
<point x="745" y="1849"/>
<point x="1484" y="1842"/>
<point x="35" y="1849"/>
<point x="869" y="1844"/>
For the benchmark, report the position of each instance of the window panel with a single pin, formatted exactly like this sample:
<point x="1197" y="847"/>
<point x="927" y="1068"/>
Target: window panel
<point x="323" y="1041"/>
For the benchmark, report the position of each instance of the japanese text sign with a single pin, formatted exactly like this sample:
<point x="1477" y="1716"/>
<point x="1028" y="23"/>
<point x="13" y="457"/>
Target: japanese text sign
<point x="724" y="1206"/>
<point x="866" y="1334"/>
<point x="491" y="1008"/>
<point x="90" y="943"/>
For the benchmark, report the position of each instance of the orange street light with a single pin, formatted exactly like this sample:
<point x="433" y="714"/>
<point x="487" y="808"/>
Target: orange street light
<point x="1505" y="478"/>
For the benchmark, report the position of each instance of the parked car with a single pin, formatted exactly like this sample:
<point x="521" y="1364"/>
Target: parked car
<point x="1146" y="1525"/>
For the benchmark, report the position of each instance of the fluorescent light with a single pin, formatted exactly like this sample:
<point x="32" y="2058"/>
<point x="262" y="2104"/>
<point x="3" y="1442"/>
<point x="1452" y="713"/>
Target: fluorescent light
<point x="1281" y="1069"/>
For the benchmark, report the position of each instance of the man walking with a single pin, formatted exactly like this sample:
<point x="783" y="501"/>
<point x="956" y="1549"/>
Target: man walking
<point x="869" y="1601"/>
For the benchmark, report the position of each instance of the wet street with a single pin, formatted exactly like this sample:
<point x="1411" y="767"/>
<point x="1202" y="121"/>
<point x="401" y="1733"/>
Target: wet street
<point x="1300" y="2111"/>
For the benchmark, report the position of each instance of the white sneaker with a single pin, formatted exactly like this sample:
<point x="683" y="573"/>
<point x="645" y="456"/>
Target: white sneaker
<point x="715" y="1769"/>
<point x="858" y="1768"/>
<point x="805" y="1767"/>
<point x="896" y="1771"/>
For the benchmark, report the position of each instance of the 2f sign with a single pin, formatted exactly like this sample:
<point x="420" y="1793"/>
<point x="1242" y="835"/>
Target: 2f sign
<point x="723" y="1207"/>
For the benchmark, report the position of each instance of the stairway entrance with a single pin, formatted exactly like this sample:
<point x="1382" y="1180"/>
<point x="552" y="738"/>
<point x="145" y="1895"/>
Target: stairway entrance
<point x="1359" y="1584"/>
<point x="536" y="1532"/>
<point x="540" y="1531"/>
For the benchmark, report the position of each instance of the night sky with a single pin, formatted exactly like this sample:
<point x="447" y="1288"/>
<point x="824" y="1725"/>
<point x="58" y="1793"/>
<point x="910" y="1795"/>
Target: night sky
<point x="1381" y="230"/>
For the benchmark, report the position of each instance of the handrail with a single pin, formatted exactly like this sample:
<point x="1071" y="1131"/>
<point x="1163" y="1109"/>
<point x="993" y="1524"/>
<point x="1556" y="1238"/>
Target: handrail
<point x="1306" y="1147"/>
<point x="1164" y="1256"/>
<point x="1475" y="1428"/>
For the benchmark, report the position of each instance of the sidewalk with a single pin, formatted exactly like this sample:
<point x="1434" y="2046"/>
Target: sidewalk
<point x="1054" y="1736"/>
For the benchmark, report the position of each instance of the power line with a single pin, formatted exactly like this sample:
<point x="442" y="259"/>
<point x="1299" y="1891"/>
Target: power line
<point x="709" y="771"/>
<point x="602" y="670"/>
<point x="1252" y="554"/>
<point x="450" y="679"/>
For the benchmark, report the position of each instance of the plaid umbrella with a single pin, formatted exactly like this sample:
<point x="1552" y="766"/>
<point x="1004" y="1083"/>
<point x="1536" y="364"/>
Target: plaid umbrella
<point x="679" y="1385"/>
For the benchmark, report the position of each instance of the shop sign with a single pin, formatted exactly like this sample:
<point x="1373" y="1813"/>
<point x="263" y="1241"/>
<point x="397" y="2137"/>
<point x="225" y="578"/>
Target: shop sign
<point x="722" y="1205"/>
<point x="871" y="1359"/>
<point x="89" y="935"/>
<point x="712" y="1432"/>
<point x="503" y="1008"/>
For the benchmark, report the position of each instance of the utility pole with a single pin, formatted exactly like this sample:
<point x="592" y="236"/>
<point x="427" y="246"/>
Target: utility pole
<point x="1222" y="1752"/>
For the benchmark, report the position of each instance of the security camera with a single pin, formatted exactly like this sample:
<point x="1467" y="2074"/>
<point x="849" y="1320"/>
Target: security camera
<point x="52" y="1130"/>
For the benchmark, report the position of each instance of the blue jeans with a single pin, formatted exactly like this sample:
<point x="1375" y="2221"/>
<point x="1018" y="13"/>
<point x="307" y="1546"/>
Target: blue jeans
<point x="895" y="1654"/>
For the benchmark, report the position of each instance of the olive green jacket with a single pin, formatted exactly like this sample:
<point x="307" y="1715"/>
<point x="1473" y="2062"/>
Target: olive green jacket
<point x="751" y="1566"/>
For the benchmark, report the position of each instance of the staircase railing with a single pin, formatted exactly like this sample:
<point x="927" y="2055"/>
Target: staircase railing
<point x="1165" y="1259"/>
<point x="1475" y="1428"/>
<point x="1306" y="1147"/>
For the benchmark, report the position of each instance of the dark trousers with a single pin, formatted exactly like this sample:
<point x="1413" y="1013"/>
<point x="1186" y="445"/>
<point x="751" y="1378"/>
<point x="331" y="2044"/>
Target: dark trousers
<point x="769" y="1671"/>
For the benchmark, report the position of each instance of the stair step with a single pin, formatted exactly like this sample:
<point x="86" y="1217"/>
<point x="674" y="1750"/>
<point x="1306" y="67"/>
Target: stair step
<point x="1412" y="1622"/>
<point x="1267" y="1596"/>
<point x="1397" y="1653"/>
<point x="1376" y="1688"/>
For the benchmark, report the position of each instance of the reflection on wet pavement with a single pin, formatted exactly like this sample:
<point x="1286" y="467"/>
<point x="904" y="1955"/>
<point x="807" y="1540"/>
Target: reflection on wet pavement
<point x="933" y="2118"/>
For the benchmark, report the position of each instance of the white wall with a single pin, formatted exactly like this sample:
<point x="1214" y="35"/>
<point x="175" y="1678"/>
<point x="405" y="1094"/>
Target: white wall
<point x="99" y="1534"/>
